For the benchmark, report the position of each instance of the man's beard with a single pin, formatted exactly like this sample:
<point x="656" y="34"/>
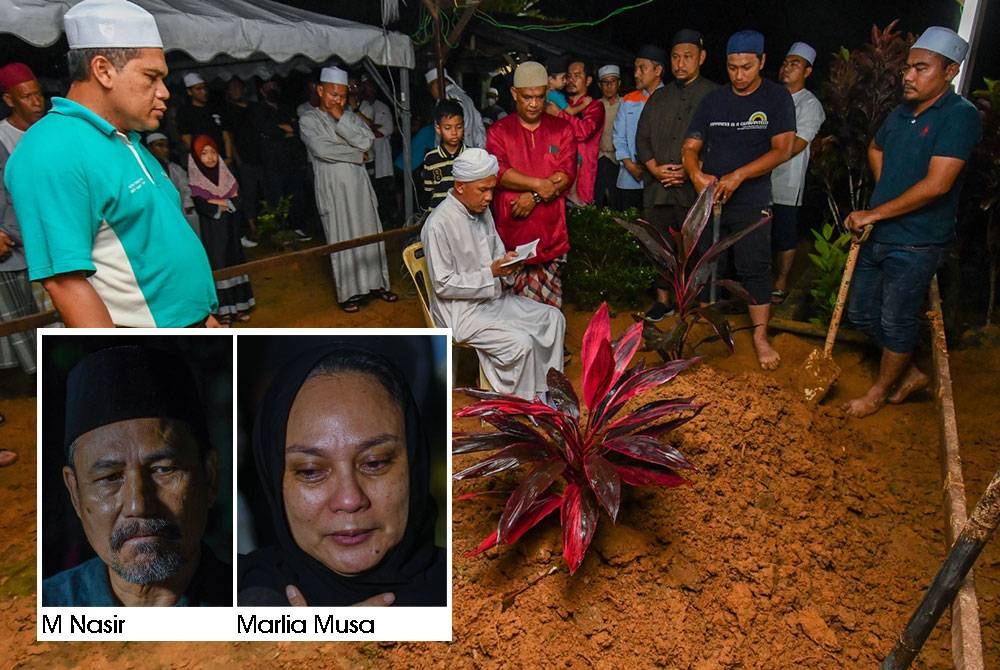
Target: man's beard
<point x="155" y="560"/>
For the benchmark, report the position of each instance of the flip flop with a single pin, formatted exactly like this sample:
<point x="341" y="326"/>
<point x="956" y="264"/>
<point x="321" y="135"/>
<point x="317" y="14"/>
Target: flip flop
<point x="386" y="295"/>
<point x="778" y="296"/>
<point x="242" y="317"/>
<point x="351" y="306"/>
<point x="7" y="457"/>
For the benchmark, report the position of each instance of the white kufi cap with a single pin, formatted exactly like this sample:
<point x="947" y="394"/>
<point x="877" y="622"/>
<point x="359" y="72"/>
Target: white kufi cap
<point x="803" y="51"/>
<point x="155" y="137"/>
<point x="609" y="71"/>
<point x="473" y="165"/>
<point x="333" y="75"/>
<point x="944" y="41"/>
<point x="192" y="79"/>
<point x="119" y="24"/>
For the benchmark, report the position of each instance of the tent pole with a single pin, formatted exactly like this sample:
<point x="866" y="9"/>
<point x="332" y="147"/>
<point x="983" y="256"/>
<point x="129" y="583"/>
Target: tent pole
<point x="404" y="121"/>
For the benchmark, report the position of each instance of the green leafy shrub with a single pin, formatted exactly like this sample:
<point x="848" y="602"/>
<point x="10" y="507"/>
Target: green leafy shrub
<point x="828" y="258"/>
<point x="272" y="223"/>
<point x="605" y="263"/>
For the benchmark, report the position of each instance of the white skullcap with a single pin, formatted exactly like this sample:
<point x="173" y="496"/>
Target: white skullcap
<point x="530" y="74"/>
<point x="333" y="75"/>
<point x="492" y="93"/>
<point x="155" y="137"/>
<point x="609" y="71"/>
<point x="432" y="75"/>
<point x="803" y="51"/>
<point x="93" y="24"/>
<point x="192" y="79"/>
<point x="473" y="165"/>
<point x="943" y="41"/>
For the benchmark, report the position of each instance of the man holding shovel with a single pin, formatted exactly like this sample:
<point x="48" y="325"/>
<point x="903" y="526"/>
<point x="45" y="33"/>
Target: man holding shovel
<point x="917" y="158"/>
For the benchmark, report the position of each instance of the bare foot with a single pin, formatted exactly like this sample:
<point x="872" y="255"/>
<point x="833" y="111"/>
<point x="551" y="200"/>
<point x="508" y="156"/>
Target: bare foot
<point x="912" y="381"/>
<point x="7" y="457"/>
<point x="767" y="356"/>
<point x="864" y="406"/>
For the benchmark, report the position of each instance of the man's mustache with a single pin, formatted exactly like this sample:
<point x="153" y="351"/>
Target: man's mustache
<point x="140" y="527"/>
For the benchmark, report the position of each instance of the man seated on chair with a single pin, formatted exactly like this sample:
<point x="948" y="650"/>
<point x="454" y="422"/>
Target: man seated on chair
<point x="517" y="339"/>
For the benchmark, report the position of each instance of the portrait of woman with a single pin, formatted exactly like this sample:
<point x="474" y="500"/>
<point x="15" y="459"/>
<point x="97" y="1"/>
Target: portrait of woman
<point x="344" y="466"/>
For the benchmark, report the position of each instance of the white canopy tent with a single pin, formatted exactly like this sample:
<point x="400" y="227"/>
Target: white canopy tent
<point x="238" y="28"/>
<point x="244" y="37"/>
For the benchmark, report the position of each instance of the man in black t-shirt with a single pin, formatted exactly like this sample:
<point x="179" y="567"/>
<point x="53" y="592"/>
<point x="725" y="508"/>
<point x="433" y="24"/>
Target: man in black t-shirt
<point x="199" y="117"/>
<point x="746" y="130"/>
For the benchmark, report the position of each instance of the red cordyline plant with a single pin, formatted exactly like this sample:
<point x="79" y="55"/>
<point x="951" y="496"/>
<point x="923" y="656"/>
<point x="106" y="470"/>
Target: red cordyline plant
<point x="593" y="451"/>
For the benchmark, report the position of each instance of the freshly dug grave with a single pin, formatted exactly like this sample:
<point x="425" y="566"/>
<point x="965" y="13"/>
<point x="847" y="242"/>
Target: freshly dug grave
<point x="804" y="541"/>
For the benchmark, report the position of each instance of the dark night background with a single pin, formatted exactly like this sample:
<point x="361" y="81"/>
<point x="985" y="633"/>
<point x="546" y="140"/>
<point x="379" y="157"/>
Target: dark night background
<point x="825" y="25"/>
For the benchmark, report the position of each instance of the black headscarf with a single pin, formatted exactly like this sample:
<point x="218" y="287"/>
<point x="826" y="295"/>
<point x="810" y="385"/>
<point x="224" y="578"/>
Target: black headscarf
<point x="414" y="570"/>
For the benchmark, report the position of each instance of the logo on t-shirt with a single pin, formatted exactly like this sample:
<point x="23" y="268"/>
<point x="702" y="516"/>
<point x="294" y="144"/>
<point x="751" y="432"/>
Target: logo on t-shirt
<point x="757" y="121"/>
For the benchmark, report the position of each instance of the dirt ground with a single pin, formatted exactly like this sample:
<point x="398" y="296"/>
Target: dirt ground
<point x="805" y="540"/>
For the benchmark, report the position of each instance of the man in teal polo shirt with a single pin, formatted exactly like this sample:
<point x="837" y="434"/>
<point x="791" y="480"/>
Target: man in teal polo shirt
<point x="102" y="223"/>
<point x="917" y="157"/>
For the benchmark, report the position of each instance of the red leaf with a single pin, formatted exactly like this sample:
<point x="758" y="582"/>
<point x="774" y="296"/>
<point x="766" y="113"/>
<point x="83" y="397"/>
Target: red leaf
<point x="596" y="356"/>
<point x="484" y="545"/>
<point x="467" y="444"/>
<point x="578" y="517"/>
<point x="535" y="484"/>
<point x="562" y="394"/>
<point x="508" y="458"/>
<point x="605" y="483"/>
<point x="645" y="448"/>
<point x="538" y="511"/>
<point x="635" y="475"/>
<point x="651" y="412"/>
<point x="640" y="383"/>
<point x="625" y="347"/>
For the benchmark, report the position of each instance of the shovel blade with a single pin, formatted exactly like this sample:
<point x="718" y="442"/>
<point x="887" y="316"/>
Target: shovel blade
<point x="818" y="374"/>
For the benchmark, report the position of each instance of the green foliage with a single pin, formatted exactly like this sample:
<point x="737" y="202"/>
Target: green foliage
<point x="605" y="264"/>
<point x="828" y="258"/>
<point x="863" y="87"/>
<point x="272" y="223"/>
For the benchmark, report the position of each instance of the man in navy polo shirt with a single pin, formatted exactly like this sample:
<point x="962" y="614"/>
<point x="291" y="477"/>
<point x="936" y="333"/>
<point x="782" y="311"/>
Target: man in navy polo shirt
<point x="746" y="129"/>
<point x="102" y="224"/>
<point x="917" y="157"/>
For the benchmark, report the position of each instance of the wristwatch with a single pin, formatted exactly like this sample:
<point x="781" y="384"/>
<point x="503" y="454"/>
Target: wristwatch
<point x="536" y="197"/>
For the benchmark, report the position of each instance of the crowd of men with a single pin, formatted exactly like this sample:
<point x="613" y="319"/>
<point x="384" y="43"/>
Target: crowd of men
<point x="110" y="249"/>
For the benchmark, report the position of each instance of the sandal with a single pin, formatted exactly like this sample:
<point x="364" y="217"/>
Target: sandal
<point x="7" y="457"/>
<point x="351" y="306"/>
<point x="242" y="317"/>
<point x="778" y="296"/>
<point x="225" y="320"/>
<point x="386" y="295"/>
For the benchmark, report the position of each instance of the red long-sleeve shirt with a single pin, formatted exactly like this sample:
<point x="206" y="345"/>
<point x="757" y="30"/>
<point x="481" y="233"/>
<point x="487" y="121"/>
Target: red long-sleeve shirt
<point x="541" y="152"/>
<point x="587" y="128"/>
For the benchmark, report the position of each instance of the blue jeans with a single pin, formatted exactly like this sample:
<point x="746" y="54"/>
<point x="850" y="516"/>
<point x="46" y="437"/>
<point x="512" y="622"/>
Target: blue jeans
<point x="888" y="291"/>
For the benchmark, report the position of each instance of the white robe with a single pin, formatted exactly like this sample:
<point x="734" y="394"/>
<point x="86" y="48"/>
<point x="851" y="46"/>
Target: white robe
<point x="517" y="339"/>
<point x="345" y="199"/>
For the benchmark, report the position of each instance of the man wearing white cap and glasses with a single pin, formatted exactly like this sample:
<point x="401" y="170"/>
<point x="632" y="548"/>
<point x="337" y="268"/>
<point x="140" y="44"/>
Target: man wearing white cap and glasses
<point x="788" y="180"/>
<point x="338" y="141"/>
<point x="610" y="80"/>
<point x="475" y="131"/>
<point x="917" y="158"/>
<point x="103" y="227"/>
<point x="516" y="338"/>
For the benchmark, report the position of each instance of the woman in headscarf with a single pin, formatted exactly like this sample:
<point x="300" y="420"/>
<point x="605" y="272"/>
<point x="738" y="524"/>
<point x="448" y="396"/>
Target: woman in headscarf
<point x="344" y="465"/>
<point x="216" y="199"/>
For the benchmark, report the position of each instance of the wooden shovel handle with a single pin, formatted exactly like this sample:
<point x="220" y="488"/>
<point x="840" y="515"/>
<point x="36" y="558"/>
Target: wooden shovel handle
<point x="845" y="285"/>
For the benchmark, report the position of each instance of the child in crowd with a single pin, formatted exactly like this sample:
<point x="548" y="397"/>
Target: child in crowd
<point x="449" y="124"/>
<point x="216" y="199"/>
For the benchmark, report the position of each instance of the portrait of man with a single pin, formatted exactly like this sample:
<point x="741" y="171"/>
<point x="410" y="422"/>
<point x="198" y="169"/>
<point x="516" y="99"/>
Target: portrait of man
<point x="141" y="473"/>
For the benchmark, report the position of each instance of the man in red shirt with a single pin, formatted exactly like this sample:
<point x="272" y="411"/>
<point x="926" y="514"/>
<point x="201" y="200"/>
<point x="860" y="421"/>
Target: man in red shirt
<point x="587" y="125"/>
<point x="537" y="157"/>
